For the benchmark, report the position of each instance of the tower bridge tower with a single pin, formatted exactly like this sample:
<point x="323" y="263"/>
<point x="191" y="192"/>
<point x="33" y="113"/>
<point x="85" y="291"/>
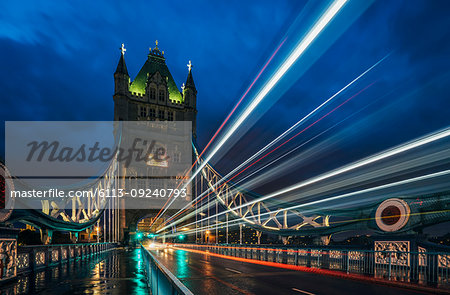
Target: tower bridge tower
<point x="153" y="95"/>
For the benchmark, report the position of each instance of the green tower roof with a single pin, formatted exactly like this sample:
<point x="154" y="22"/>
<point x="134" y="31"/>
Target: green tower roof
<point x="155" y="63"/>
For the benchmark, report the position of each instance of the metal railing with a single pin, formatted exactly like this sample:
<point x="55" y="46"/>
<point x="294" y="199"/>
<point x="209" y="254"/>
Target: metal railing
<point x="31" y="258"/>
<point x="425" y="268"/>
<point x="159" y="279"/>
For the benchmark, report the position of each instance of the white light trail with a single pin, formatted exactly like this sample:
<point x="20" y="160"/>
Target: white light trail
<point x="299" y="50"/>
<point x="383" y="155"/>
<point x="368" y="190"/>
<point x="318" y="27"/>
<point x="265" y="148"/>
<point x="364" y="191"/>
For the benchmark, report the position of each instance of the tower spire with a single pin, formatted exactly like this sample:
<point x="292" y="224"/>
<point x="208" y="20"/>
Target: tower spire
<point x="190" y="80"/>
<point x="121" y="66"/>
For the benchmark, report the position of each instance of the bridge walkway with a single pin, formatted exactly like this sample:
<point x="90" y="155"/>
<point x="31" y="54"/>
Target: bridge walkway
<point x="118" y="271"/>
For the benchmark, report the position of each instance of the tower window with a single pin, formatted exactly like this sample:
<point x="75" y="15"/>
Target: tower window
<point x="152" y="93"/>
<point x="152" y="113"/>
<point x="161" y="95"/>
<point x="169" y="116"/>
<point x="143" y="111"/>
<point x="161" y="114"/>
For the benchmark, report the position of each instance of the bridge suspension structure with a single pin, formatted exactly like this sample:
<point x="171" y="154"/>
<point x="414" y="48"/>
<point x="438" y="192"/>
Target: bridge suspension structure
<point x="236" y="206"/>
<point x="88" y="211"/>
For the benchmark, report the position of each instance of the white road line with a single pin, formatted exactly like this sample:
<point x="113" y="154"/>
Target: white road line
<point x="303" y="292"/>
<point x="233" y="270"/>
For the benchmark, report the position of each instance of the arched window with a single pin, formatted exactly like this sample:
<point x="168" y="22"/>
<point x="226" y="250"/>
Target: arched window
<point x="161" y="95"/>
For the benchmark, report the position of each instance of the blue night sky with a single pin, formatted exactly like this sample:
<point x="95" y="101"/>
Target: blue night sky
<point x="58" y="61"/>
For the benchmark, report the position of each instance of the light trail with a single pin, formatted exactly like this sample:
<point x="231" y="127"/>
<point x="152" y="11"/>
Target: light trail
<point x="231" y="223"/>
<point x="383" y="155"/>
<point x="240" y="221"/>
<point x="227" y="118"/>
<point x="303" y="130"/>
<point x="384" y="186"/>
<point x="240" y="100"/>
<point x="297" y="124"/>
<point x="187" y="216"/>
<point x="279" y="146"/>
<point x="237" y="222"/>
<point x="318" y="27"/>
<point x="387" y="171"/>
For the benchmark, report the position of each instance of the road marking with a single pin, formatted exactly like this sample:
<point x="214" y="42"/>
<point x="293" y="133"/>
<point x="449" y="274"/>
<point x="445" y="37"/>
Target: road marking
<point x="304" y="292"/>
<point x="226" y="283"/>
<point x="233" y="270"/>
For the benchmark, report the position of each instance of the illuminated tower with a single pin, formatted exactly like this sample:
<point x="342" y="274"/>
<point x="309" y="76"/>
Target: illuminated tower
<point x="152" y="96"/>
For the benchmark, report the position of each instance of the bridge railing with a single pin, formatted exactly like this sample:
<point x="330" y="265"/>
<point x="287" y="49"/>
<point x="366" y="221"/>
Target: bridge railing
<point x="159" y="279"/>
<point x="425" y="268"/>
<point x="31" y="258"/>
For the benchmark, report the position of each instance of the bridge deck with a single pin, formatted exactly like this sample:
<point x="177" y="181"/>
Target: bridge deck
<point x="114" y="272"/>
<point x="206" y="274"/>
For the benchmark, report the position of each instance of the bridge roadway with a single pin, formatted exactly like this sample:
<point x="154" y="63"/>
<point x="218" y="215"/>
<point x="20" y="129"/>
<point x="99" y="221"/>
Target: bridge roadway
<point x="206" y="274"/>
<point x="122" y="272"/>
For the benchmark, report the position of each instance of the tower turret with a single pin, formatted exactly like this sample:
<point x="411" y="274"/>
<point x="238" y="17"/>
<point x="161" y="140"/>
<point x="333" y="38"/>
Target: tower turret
<point x="121" y="77"/>
<point x="189" y="90"/>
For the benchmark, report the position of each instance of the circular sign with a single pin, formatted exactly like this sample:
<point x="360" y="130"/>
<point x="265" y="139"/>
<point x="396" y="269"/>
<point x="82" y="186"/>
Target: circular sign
<point x="392" y="215"/>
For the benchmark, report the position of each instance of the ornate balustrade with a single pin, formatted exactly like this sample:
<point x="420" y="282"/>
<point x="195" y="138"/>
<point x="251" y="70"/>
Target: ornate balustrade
<point x="30" y="258"/>
<point x="420" y="267"/>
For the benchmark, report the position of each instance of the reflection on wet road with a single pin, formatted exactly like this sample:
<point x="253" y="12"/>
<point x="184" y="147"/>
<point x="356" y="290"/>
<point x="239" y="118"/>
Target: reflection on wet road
<point x="205" y="274"/>
<point x="121" y="272"/>
<point x="114" y="272"/>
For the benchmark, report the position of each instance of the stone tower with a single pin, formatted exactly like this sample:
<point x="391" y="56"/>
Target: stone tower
<point x="153" y="95"/>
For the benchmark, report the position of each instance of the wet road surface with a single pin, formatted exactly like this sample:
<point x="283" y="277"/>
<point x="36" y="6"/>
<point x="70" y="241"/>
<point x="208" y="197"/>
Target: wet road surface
<point x="114" y="272"/>
<point x="205" y="274"/>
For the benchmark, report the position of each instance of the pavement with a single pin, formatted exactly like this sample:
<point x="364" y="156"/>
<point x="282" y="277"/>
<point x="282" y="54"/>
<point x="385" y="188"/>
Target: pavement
<point x="114" y="272"/>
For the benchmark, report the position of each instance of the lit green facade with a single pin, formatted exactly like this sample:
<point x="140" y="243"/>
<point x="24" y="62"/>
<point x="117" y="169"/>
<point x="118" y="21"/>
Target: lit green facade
<point x="153" y="95"/>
